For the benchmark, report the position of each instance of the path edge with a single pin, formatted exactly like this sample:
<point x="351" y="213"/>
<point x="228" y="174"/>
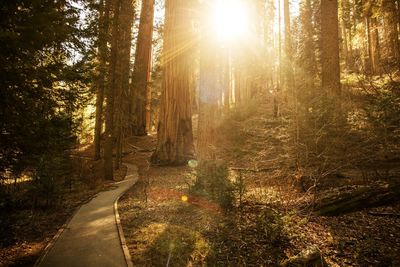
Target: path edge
<point x="127" y="255"/>
<point x="53" y="240"/>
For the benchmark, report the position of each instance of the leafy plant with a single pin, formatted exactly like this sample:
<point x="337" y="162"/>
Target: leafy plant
<point x="212" y="182"/>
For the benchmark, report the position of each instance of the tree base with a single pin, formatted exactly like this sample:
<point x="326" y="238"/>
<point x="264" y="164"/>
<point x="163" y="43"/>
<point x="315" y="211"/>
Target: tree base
<point x="161" y="159"/>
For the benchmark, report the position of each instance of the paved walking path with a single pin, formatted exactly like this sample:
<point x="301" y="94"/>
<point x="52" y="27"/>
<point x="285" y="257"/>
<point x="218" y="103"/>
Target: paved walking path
<point x="91" y="237"/>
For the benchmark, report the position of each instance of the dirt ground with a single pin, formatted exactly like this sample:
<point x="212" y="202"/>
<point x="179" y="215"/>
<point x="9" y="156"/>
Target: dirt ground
<point x="160" y="224"/>
<point x="163" y="223"/>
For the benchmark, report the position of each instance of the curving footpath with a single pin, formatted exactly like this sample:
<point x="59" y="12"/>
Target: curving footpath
<point x="93" y="237"/>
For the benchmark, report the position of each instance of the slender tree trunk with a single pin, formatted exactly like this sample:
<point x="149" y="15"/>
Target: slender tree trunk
<point x="101" y="81"/>
<point x="330" y="47"/>
<point x="226" y="81"/>
<point x="193" y="92"/>
<point x="237" y="79"/>
<point x="398" y="15"/>
<point x="288" y="46"/>
<point x="148" y="107"/>
<point x="175" y="138"/>
<point x="371" y="59"/>
<point x="280" y="80"/>
<point x="351" y="52"/>
<point x="110" y="94"/>
<point x="346" y="34"/>
<point x="141" y="72"/>
<point x="352" y="31"/>
<point x="364" y="48"/>
<point x="345" y="44"/>
<point x="376" y="45"/>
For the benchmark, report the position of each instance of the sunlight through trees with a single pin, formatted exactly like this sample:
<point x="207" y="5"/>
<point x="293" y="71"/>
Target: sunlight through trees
<point x="264" y="108"/>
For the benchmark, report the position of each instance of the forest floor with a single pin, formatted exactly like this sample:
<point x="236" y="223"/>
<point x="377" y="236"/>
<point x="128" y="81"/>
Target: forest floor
<point x="163" y="223"/>
<point x="25" y="231"/>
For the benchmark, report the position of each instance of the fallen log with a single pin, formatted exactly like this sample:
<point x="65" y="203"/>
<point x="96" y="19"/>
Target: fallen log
<point x="253" y="170"/>
<point x="352" y="198"/>
<point x="384" y="214"/>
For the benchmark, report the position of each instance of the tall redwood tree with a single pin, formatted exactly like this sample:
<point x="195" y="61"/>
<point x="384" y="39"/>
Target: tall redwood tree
<point x="175" y="137"/>
<point x="141" y="71"/>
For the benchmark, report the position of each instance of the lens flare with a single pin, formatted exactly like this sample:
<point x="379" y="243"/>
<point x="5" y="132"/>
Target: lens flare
<point x="192" y="163"/>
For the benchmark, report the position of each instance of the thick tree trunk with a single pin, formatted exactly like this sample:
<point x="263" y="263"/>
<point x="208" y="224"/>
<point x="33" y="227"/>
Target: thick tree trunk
<point x="123" y="62"/>
<point x="110" y="94"/>
<point x="141" y="72"/>
<point x="330" y="47"/>
<point x="307" y="57"/>
<point x="175" y="137"/>
<point x="101" y="81"/>
<point x="391" y="32"/>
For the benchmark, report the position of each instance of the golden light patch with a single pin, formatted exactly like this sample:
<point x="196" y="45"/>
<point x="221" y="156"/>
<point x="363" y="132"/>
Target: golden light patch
<point x="184" y="198"/>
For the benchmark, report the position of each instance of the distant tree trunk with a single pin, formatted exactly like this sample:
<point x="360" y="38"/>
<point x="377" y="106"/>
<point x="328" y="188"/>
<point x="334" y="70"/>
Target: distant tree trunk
<point x="345" y="43"/>
<point x="307" y="53"/>
<point x="101" y="81"/>
<point x="330" y="46"/>
<point x="175" y="137"/>
<point x="376" y="54"/>
<point x="345" y="23"/>
<point x="226" y="81"/>
<point x="280" y="80"/>
<point x="269" y="38"/>
<point x="364" y="47"/>
<point x="123" y="62"/>
<point x="141" y="71"/>
<point x="193" y="92"/>
<point x="391" y="32"/>
<point x="352" y="29"/>
<point x="288" y="46"/>
<point x="208" y="95"/>
<point x="110" y="94"/>
<point x="351" y="52"/>
<point x="237" y="79"/>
